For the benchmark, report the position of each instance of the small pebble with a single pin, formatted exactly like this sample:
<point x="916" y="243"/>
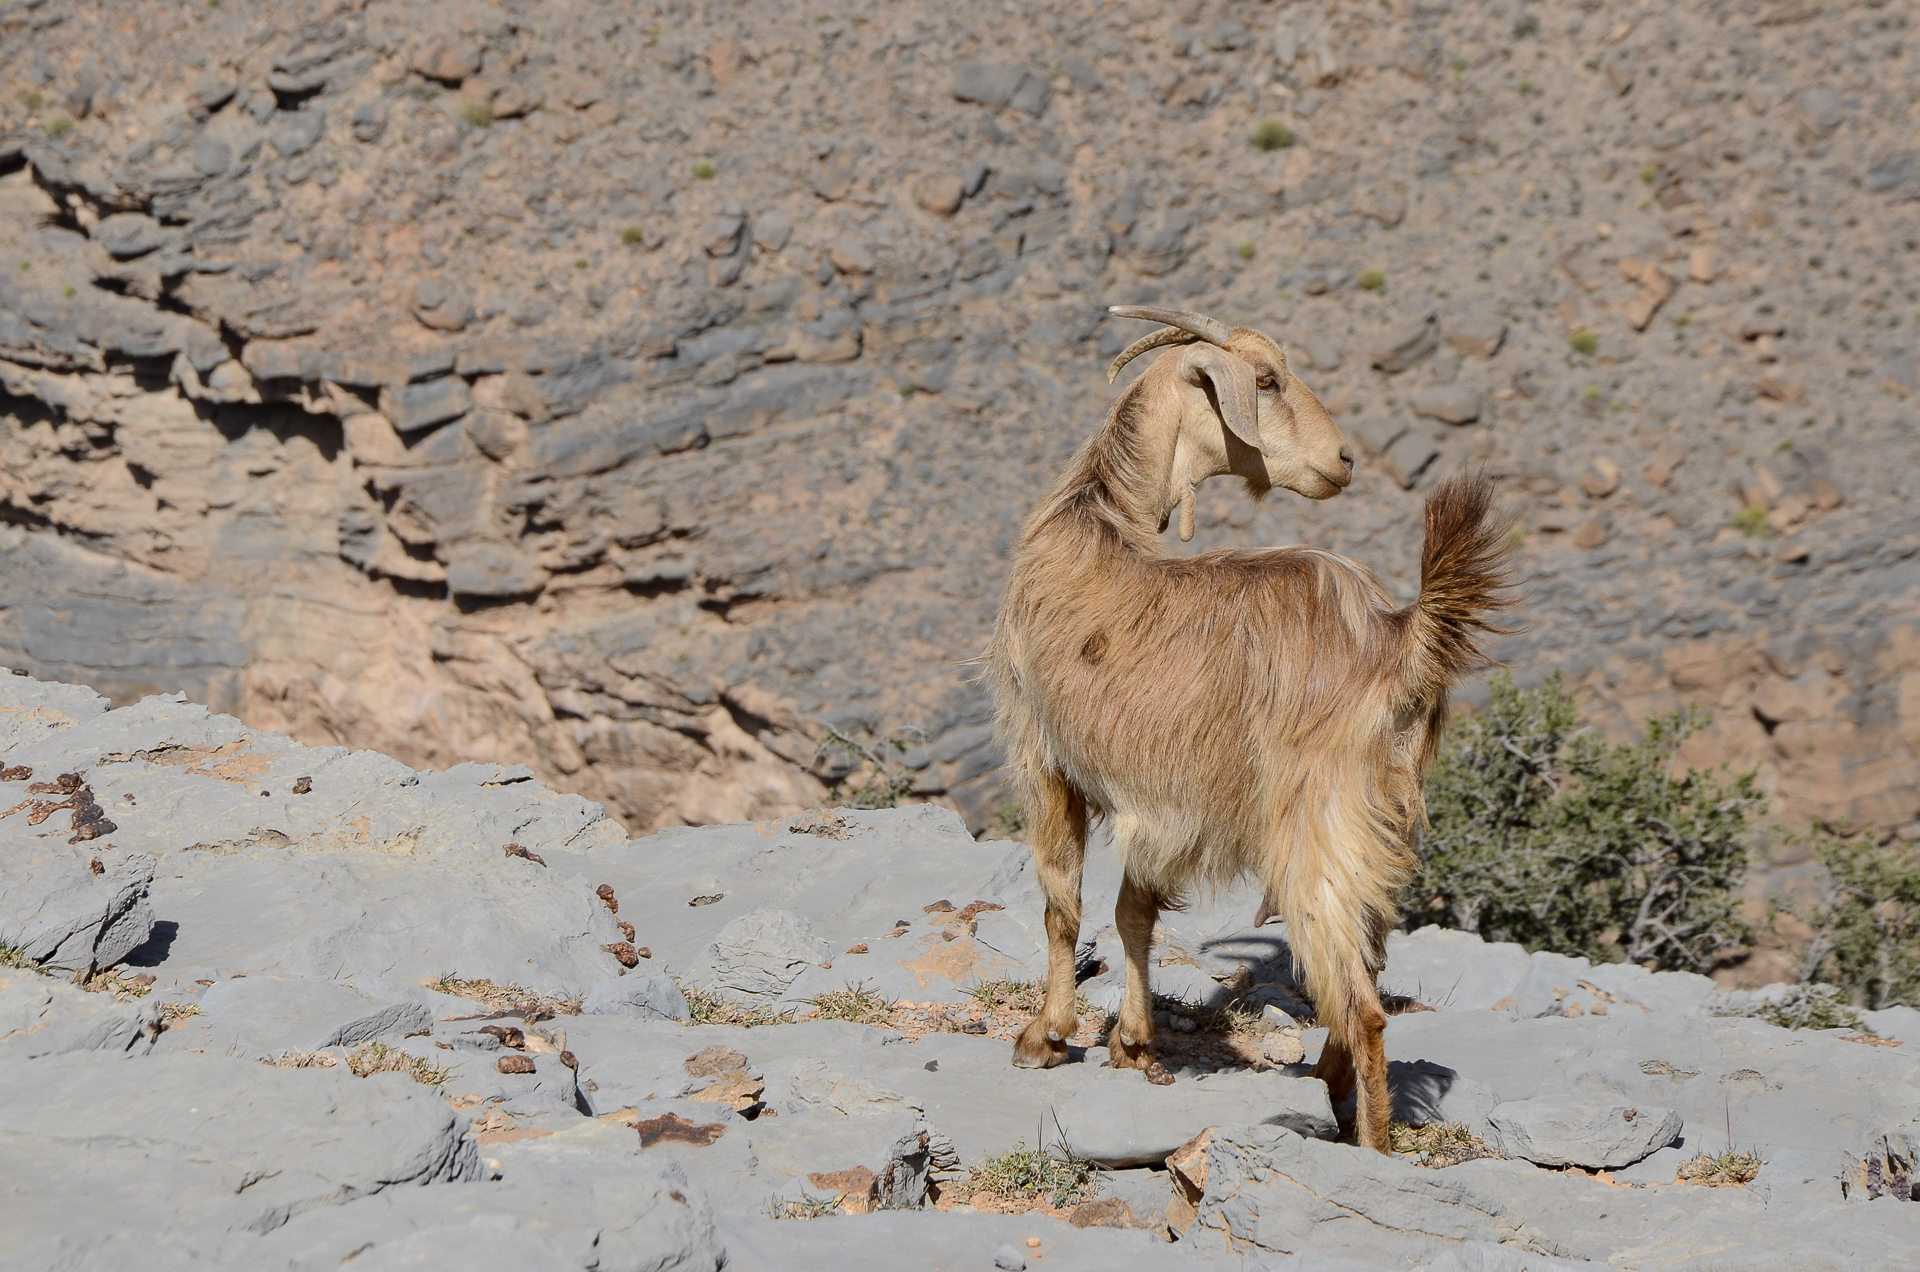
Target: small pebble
<point x="1009" y="1259"/>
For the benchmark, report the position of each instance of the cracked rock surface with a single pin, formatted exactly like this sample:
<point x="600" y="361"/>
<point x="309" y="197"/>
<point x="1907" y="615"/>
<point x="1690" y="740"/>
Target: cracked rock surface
<point x="355" y="1025"/>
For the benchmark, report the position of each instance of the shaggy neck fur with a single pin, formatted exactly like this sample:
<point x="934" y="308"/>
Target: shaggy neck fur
<point x="1127" y="479"/>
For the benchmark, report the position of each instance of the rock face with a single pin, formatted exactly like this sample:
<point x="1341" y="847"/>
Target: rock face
<point x="439" y="380"/>
<point x="365" y="1023"/>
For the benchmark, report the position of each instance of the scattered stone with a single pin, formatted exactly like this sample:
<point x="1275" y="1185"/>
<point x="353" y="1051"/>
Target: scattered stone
<point x="1408" y="458"/>
<point x="1449" y="403"/>
<point x="1119" y="1124"/>
<point x="1478" y="333"/>
<point x="1401" y="346"/>
<point x="447" y="60"/>
<point x="1602" y="477"/>
<point x="940" y="195"/>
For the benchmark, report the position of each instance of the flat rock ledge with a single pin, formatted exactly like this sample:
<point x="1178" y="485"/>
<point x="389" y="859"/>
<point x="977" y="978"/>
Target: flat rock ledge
<point x="270" y="1005"/>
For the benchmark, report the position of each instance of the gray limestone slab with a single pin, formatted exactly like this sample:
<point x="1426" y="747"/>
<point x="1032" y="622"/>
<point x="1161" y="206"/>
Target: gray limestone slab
<point x="1135" y="1123"/>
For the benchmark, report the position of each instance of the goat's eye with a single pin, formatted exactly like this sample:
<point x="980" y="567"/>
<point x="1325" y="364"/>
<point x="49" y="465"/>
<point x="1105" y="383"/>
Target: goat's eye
<point x="1266" y="382"/>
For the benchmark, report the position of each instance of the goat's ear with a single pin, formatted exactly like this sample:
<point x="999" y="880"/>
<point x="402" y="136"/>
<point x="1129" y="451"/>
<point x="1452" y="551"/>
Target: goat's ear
<point x="1232" y="381"/>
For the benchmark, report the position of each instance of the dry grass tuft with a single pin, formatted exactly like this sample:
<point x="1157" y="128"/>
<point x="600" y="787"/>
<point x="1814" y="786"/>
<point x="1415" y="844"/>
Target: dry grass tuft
<point x="1437" y="1144"/>
<point x="374" y="1057"/>
<point x="708" y="1008"/>
<point x="856" y="1003"/>
<point x="1730" y="1169"/>
<point x="509" y="998"/>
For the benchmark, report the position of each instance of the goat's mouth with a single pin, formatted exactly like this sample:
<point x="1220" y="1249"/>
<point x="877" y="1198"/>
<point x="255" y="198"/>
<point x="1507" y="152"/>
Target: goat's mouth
<point x="1339" y="480"/>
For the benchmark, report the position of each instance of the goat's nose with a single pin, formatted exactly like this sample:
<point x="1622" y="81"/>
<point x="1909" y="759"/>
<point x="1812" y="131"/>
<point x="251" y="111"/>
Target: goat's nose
<point x="1346" y="457"/>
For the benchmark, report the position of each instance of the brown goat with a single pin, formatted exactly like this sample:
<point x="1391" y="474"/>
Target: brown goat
<point x="1234" y="712"/>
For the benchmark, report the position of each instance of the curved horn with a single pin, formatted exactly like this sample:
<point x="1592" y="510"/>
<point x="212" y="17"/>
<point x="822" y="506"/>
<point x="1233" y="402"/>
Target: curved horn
<point x="1164" y="336"/>
<point x="1211" y="330"/>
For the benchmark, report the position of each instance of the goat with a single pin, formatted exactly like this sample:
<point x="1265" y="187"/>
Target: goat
<point x="1233" y="712"/>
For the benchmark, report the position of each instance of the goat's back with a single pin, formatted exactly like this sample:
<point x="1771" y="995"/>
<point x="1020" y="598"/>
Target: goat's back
<point x="1196" y="699"/>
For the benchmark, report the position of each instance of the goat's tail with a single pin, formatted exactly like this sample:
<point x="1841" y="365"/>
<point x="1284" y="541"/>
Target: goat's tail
<point x="1463" y="579"/>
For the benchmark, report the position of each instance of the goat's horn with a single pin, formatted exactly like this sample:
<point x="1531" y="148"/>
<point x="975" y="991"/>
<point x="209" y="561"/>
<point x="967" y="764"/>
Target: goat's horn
<point x="1164" y="336"/>
<point x="1211" y="330"/>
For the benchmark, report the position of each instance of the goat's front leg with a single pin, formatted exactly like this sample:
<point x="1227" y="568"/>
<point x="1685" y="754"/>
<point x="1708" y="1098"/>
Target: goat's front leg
<point x="1131" y="1042"/>
<point x="1059" y="851"/>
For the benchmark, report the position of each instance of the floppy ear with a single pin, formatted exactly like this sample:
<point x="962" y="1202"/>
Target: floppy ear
<point x="1231" y="379"/>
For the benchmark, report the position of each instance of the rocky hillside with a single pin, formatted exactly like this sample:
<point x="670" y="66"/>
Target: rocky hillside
<point x="643" y="392"/>
<point x="268" y="1005"/>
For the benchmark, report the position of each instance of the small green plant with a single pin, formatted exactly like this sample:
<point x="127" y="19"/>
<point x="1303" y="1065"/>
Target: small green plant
<point x="581" y="263"/>
<point x="1010" y="819"/>
<point x="477" y="113"/>
<point x="1751" y="522"/>
<point x="1784" y="446"/>
<point x="1437" y="1144"/>
<point x="1271" y="134"/>
<point x="1865" y="920"/>
<point x="1649" y="173"/>
<point x="856" y="1003"/>
<point x="1526" y="26"/>
<point x="1592" y="394"/>
<point x="1516" y="538"/>
<point x="1542" y="834"/>
<point x="1731" y="1169"/>
<point x="1810" y="1007"/>
<point x="1526" y="86"/>
<point x="1372" y="280"/>
<point x="1683" y="320"/>
<point x="1033" y="1174"/>
<point x="703" y="170"/>
<point x="13" y="956"/>
<point x="708" y="1008"/>
<point x="1246" y="250"/>
<point x="1585" y="340"/>
<point x="58" y="126"/>
<point x="33" y="99"/>
<point x="633" y="236"/>
<point x="67" y="291"/>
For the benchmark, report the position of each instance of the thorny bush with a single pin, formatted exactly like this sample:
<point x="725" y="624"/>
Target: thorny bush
<point x="1543" y="834"/>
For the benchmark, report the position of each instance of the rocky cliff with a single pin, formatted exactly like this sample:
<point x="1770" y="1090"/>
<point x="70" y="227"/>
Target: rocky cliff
<point x="644" y="392"/>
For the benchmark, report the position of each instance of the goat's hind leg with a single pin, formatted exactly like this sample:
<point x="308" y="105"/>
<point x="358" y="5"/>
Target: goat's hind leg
<point x="1130" y="1044"/>
<point x="1059" y="852"/>
<point x="1343" y="950"/>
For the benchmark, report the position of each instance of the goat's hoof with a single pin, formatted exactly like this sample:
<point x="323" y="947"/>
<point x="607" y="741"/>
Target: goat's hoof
<point x="1127" y="1053"/>
<point x="1038" y="1048"/>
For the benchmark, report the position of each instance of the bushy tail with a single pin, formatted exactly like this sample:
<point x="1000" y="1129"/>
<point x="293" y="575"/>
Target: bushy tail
<point x="1463" y="579"/>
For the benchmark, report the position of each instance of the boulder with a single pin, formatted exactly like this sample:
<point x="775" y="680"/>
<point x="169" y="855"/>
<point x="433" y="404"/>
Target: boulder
<point x="1580" y="1131"/>
<point x="1130" y="1122"/>
<point x="644" y="995"/>
<point x="262" y="1017"/>
<point x="1450" y="403"/>
<point x="43" y="1016"/>
<point x="1405" y="343"/>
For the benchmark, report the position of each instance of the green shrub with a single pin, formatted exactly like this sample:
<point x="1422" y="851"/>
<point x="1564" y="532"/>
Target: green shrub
<point x="1524" y="27"/>
<point x="1543" y="834"/>
<point x="1807" y="1007"/>
<point x="703" y="170"/>
<point x="477" y="113"/>
<point x="1246" y="250"/>
<point x="633" y="236"/>
<point x="1271" y="134"/>
<point x="1372" y="280"/>
<point x="58" y="126"/>
<point x="1586" y="340"/>
<point x="1866" y="922"/>
<point x="1750" y="522"/>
